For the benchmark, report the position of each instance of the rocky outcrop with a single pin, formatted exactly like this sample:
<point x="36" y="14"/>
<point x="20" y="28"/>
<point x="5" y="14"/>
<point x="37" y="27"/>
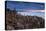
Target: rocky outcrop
<point x="14" y="21"/>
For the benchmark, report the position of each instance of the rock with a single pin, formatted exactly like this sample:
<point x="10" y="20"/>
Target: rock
<point x="14" y="21"/>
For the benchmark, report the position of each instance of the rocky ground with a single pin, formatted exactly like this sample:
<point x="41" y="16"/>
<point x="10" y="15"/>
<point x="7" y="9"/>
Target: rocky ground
<point x="16" y="22"/>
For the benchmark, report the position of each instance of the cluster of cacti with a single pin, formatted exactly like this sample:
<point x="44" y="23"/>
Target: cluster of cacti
<point x="14" y="21"/>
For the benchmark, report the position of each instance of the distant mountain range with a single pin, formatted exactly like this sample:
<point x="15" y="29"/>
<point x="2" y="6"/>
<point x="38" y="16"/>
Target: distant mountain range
<point x="39" y="14"/>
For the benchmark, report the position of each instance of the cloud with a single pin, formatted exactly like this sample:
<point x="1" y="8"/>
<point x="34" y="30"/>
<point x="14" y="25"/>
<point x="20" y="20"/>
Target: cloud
<point x="35" y="10"/>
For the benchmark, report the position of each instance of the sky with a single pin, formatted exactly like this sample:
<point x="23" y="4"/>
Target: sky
<point x="25" y="6"/>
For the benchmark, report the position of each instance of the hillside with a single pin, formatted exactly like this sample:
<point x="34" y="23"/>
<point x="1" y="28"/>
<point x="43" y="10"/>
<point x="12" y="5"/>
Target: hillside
<point x="15" y="21"/>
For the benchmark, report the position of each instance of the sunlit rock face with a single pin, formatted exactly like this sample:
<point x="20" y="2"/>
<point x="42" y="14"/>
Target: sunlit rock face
<point x="15" y="21"/>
